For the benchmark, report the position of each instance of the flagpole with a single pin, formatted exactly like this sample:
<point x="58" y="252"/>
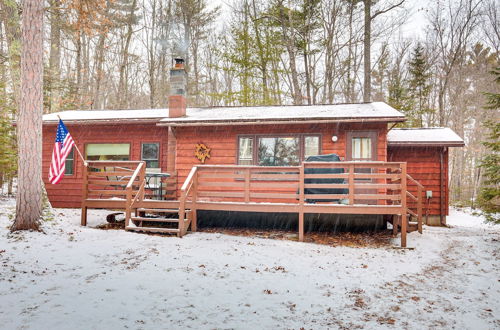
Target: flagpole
<point x="78" y="150"/>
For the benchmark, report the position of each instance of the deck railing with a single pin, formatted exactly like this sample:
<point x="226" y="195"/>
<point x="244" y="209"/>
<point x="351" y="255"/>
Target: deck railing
<point x="314" y="187"/>
<point x="356" y="187"/>
<point x="112" y="184"/>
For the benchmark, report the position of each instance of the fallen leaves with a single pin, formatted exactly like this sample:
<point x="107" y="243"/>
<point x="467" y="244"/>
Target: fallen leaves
<point x="386" y="320"/>
<point x="363" y="239"/>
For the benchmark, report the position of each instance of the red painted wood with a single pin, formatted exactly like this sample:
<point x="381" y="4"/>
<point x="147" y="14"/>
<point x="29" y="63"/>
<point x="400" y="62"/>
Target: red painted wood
<point x="68" y="192"/>
<point x="424" y="166"/>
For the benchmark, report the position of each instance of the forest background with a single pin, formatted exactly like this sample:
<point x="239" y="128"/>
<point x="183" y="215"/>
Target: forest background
<point x="116" y="54"/>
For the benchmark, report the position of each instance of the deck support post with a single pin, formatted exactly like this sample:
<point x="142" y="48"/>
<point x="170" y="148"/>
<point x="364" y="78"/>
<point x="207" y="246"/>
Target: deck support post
<point x="419" y="207"/>
<point x="301" y="226"/>
<point x="404" y="221"/>
<point x="395" y="224"/>
<point x="84" y="216"/>
<point x="404" y="210"/>
<point x="301" y="202"/>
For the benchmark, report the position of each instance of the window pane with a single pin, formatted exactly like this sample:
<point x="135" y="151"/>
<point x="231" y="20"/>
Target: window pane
<point x="150" y="151"/>
<point x="152" y="164"/>
<point x="280" y="151"/>
<point x="69" y="164"/>
<point x="361" y="148"/>
<point x="107" y="151"/>
<point x="311" y="146"/>
<point x="245" y="156"/>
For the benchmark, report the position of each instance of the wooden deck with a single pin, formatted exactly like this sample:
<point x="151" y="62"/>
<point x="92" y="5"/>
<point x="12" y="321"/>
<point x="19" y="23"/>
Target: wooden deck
<point x="365" y="188"/>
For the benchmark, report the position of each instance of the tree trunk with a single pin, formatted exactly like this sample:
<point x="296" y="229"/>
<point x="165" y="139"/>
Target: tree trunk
<point x="29" y="124"/>
<point x="289" y="40"/>
<point x="261" y="55"/>
<point x="54" y="57"/>
<point x="367" y="87"/>
<point x="122" y="86"/>
<point x="99" y="71"/>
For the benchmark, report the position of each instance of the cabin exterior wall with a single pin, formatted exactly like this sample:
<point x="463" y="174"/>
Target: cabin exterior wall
<point x="68" y="193"/>
<point x="425" y="167"/>
<point x="223" y="141"/>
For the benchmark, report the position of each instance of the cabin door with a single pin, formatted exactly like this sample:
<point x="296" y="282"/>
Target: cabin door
<point x="362" y="146"/>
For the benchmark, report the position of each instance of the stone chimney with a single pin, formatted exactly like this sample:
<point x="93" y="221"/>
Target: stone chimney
<point x="178" y="84"/>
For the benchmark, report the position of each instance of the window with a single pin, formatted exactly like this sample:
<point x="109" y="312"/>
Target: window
<point x="361" y="148"/>
<point x="107" y="151"/>
<point x="278" y="151"/>
<point x="70" y="163"/>
<point x="311" y="146"/>
<point x="361" y="145"/>
<point x="287" y="150"/>
<point x="245" y="153"/>
<point x="150" y="154"/>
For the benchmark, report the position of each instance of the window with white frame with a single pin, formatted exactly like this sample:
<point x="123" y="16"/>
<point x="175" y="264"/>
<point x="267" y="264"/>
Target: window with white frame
<point x="282" y="150"/>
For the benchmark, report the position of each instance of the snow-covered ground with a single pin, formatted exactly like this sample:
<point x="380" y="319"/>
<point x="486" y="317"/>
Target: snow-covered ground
<point x="83" y="278"/>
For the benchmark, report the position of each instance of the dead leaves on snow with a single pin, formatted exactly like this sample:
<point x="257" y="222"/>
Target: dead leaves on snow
<point x="375" y="239"/>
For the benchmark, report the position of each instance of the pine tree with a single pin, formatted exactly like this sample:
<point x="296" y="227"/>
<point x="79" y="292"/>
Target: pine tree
<point x="419" y="86"/>
<point x="489" y="196"/>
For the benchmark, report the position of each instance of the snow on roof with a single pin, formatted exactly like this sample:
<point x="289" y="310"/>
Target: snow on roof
<point x="439" y="136"/>
<point x="107" y="115"/>
<point x="376" y="111"/>
<point x="335" y="112"/>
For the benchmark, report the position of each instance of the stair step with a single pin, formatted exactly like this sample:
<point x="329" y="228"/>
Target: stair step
<point x="154" y="219"/>
<point x="160" y="210"/>
<point x="152" y="229"/>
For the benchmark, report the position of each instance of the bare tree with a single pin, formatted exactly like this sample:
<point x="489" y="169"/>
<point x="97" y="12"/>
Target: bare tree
<point x="452" y="26"/>
<point x="369" y="17"/>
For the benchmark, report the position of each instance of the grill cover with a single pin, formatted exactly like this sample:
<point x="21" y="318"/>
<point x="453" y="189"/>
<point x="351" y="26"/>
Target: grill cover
<point x="317" y="191"/>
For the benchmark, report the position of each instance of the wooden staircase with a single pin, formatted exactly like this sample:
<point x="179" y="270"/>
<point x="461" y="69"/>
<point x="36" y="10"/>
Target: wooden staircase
<point x="158" y="220"/>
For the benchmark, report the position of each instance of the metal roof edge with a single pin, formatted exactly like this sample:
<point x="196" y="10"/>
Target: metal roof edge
<point x="426" y="143"/>
<point x="272" y="121"/>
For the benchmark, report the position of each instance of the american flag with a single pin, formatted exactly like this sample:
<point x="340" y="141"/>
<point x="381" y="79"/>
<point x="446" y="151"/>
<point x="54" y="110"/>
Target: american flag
<point x="62" y="148"/>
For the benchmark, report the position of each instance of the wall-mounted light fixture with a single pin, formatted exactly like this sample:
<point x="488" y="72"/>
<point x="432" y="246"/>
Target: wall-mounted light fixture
<point x="335" y="138"/>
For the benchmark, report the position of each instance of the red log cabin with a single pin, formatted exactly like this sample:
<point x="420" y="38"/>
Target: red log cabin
<point x="176" y="139"/>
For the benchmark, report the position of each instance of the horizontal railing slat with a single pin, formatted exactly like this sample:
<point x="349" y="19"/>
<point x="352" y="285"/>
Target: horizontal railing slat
<point x="107" y="192"/>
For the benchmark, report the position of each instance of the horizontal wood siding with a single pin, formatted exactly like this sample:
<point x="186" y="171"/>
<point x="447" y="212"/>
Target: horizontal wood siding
<point x="68" y="193"/>
<point x="424" y="166"/>
<point x="223" y="141"/>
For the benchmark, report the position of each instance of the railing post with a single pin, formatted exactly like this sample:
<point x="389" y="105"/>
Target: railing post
<point x="182" y="213"/>
<point x="419" y="208"/>
<point x="351" y="184"/>
<point x="404" y="211"/>
<point x="194" y="226"/>
<point x="84" y="195"/>
<point x="247" y="185"/>
<point x="128" y="207"/>
<point x="301" y="203"/>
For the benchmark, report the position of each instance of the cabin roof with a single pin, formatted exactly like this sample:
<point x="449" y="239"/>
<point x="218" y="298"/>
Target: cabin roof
<point x="107" y="116"/>
<point x="375" y="111"/>
<point x="359" y="112"/>
<point x="432" y="136"/>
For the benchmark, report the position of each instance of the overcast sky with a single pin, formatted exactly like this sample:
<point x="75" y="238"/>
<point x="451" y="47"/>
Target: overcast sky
<point x="415" y="27"/>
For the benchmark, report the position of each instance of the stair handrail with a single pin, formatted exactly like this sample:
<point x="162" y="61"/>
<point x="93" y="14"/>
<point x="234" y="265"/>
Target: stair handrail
<point x="185" y="190"/>
<point x="140" y="170"/>
<point x="419" y="197"/>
